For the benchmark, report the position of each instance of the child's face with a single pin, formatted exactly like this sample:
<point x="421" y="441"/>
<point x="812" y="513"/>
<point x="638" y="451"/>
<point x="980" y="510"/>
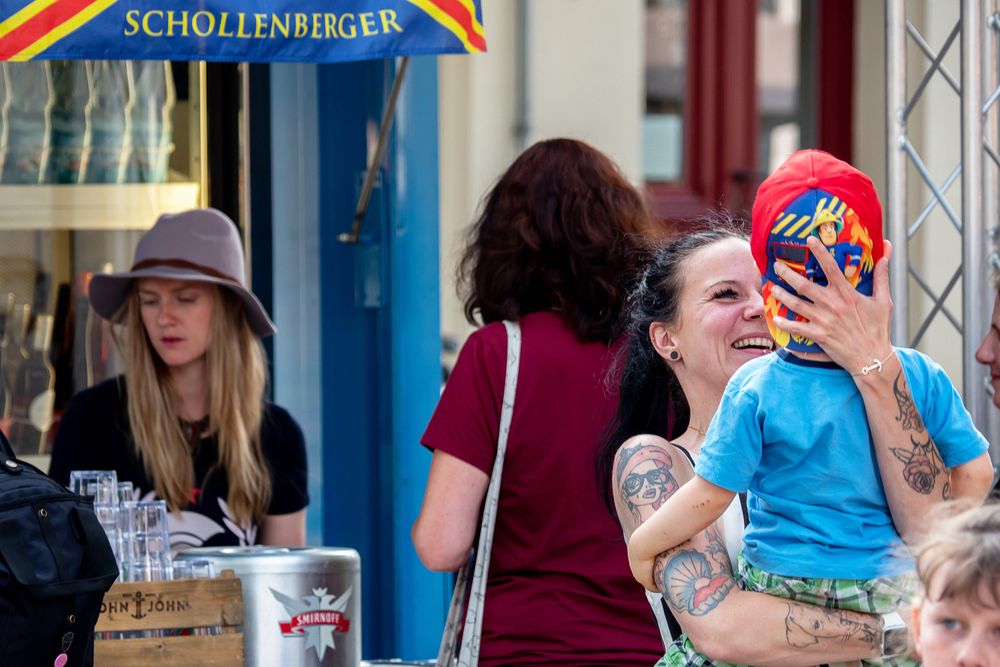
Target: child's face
<point x="959" y="631"/>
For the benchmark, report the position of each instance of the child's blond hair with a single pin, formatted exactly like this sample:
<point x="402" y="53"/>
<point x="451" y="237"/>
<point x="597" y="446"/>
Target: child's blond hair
<point x="961" y="554"/>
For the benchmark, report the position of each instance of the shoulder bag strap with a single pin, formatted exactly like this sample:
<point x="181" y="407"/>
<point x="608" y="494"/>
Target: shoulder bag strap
<point x="469" y="652"/>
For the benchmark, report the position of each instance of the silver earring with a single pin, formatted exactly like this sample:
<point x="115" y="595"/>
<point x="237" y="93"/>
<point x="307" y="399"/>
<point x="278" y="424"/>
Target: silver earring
<point x="674" y="355"/>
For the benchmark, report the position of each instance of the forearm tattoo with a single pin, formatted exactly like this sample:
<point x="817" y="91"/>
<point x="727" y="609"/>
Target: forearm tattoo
<point x="644" y="479"/>
<point x="695" y="582"/>
<point x="806" y="625"/>
<point x="909" y="416"/>
<point x="921" y="461"/>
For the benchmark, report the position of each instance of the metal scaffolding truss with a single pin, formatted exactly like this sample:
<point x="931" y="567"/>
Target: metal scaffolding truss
<point x="976" y="38"/>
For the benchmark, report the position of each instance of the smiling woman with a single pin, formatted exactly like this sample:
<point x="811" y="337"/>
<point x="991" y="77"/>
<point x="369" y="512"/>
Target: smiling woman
<point x="695" y="319"/>
<point x="193" y="426"/>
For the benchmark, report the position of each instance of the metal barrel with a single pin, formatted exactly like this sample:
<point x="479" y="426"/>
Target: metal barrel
<point x="301" y="605"/>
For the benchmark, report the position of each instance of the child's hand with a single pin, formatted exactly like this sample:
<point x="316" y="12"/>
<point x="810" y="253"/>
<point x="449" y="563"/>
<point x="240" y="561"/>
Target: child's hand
<point x="850" y="327"/>
<point x="642" y="565"/>
<point x="642" y="570"/>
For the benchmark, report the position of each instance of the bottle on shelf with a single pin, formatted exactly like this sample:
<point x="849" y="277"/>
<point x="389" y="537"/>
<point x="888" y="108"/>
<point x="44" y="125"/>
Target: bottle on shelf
<point x="110" y="139"/>
<point x="27" y="117"/>
<point x="151" y="124"/>
<point x="15" y="342"/>
<point x="103" y="359"/>
<point x="6" y="310"/>
<point x="81" y="316"/>
<point x="33" y="394"/>
<point x="62" y="345"/>
<point x="72" y="87"/>
<point x="98" y="358"/>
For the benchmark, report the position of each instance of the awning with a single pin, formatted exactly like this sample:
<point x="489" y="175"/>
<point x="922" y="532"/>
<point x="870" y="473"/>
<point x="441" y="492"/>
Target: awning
<point x="238" y="30"/>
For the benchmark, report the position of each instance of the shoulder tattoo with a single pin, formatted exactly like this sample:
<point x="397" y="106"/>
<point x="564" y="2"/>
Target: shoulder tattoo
<point x="644" y="480"/>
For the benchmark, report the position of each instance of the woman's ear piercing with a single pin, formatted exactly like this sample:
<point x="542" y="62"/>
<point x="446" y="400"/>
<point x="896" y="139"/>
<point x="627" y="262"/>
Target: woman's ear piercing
<point x="674" y="355"/>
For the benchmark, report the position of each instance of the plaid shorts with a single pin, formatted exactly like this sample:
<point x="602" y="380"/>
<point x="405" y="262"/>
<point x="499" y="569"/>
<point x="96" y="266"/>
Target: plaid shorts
<point x="875" y="596"/>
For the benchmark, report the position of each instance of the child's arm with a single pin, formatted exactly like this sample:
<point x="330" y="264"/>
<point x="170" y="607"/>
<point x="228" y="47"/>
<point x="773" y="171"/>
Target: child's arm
<point x="692" y="509"/>
<point x="715" y="613"/>
<point x="973" y="479"/>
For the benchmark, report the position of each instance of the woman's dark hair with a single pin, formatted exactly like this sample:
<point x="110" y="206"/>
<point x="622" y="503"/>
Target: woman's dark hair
<point x="650" y="398"/>
<point x="560" y="231"/>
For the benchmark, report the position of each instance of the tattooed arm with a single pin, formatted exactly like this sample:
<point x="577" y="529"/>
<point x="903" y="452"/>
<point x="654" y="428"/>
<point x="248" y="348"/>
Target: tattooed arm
<point x="853" y="329"/>
<point x="693" y="508"/>
<point x="696" y="579"/>
<point x="913" y="474"/>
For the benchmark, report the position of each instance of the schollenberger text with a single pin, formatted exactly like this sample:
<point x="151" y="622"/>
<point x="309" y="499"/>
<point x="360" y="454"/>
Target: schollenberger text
<point x="296" y="25"/>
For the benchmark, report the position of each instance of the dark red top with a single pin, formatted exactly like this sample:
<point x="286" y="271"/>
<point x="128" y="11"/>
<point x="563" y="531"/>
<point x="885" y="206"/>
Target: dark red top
<point x="559" y="589"/>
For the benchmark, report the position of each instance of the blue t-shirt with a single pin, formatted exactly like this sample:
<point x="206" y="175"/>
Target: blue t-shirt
<point x="795" y="434"/>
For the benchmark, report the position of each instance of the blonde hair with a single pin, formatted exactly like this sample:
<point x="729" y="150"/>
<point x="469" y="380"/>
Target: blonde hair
<point x="237" y="376"/>
<point x="961" y="554"/>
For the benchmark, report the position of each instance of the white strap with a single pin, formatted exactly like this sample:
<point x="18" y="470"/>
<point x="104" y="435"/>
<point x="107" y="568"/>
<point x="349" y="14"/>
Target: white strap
<point x="469" y="653"/>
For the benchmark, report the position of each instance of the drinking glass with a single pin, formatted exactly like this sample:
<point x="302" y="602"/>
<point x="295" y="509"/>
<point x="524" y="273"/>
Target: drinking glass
<point x="79" y="480"/>
<point x="147" y="540"/>
<point x="126" y="492"/>
<point x="204" y="569"/>
<point x="182" y="569"/>
<point x="103" y="488"/>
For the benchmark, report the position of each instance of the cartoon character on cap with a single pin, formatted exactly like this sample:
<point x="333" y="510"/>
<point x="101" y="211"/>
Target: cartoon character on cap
<point x="814" y="194"/>
<point x="826" y="226"/>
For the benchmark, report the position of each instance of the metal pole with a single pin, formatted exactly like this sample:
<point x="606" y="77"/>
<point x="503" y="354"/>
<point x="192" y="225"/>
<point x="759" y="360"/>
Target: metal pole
<point x="974" y="242"/>
<point x="354" y="236"/>
<point x="991" y="197"/>
<point x="245" y="166"/>
<point x="895" y="90"/>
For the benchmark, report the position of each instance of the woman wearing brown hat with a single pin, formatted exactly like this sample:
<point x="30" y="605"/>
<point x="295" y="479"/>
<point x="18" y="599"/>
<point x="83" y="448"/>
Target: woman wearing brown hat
<point x="188" y="421"/>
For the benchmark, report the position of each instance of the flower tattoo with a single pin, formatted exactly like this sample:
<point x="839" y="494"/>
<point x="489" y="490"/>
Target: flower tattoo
<point x="921" y="465"/>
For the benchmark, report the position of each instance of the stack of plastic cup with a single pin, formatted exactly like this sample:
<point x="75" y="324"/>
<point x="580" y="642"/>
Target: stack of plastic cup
<point x="146" y="541"/>
<point x="102" y="486"/>
<point x="80" y="480"/>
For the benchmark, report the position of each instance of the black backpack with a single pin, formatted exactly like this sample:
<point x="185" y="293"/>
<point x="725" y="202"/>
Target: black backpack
<point x="55" y="566"/>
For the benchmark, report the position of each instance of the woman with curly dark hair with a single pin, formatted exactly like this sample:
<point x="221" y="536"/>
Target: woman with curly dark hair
<point x="560" y="235"/>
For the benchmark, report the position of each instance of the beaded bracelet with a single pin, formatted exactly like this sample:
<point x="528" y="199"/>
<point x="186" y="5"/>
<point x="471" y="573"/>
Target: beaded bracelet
<point x="875" y="366"/>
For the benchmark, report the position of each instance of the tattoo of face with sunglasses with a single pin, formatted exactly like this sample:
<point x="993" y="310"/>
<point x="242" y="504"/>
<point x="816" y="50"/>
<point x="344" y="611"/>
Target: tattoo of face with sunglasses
<point x="645" y="479"/>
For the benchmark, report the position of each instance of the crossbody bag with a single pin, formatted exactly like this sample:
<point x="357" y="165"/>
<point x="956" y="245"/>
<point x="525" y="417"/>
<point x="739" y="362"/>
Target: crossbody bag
<point x="478" y="564"/>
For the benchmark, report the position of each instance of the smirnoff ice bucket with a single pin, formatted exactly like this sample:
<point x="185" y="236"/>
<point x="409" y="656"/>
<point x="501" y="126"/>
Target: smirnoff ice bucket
<point x="301" y="605"/>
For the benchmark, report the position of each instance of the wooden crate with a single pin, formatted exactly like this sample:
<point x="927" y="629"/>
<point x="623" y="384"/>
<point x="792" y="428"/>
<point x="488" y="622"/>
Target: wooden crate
<point x="173" y="605"/>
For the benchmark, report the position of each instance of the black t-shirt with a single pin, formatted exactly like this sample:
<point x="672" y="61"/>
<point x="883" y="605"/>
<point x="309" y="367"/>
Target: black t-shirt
<point x="94" y="435"/>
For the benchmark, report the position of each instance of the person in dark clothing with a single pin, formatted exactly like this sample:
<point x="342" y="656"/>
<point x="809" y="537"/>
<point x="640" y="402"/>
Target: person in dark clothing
<point x="188" y="422"/>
